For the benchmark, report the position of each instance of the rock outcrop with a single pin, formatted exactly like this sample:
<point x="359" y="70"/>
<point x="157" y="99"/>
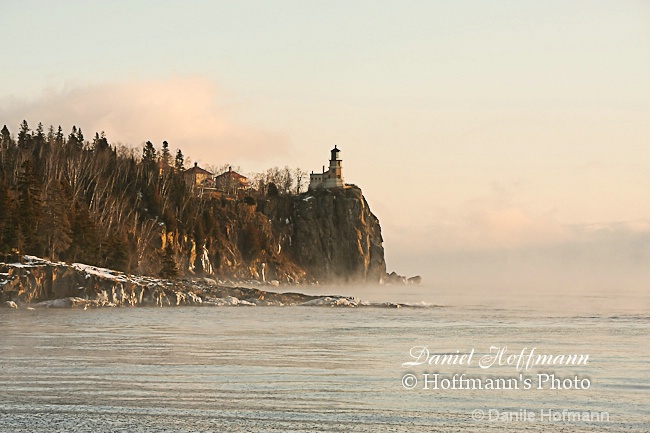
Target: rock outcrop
<point x="38" y="283"/>
<point x="339" y="238"/>
<point x="326" y="236"/>
<point x="61" y="285"/>
<point x="395" y="279"/>
<point x="415" y="280"/>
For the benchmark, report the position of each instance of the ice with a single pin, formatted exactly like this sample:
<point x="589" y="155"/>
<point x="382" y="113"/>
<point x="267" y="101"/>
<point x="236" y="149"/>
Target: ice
<point x="100" y="272"/>
<point x="334" y="302"/>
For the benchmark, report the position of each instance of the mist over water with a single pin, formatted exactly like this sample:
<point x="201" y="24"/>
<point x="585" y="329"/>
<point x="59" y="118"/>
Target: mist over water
<point x="583" y="260"/>
<point x="554" y="300"/>
<point x="290" y="369"/>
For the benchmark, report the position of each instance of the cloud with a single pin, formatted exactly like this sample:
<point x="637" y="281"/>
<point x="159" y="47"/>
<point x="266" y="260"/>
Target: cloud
<point x="190" y="113"/>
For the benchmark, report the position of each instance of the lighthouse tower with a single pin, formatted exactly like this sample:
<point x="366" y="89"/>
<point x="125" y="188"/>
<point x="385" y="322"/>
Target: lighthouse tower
<point x="333" y="177"/>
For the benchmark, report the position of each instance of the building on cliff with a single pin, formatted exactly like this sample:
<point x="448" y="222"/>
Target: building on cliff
<point x="231" y="182"/>
<point x="333" y="177"/>
<point x="197" y="178"/>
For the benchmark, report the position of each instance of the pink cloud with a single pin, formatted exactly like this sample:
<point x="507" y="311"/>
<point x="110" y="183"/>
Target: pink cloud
<point x="190" y="113"/>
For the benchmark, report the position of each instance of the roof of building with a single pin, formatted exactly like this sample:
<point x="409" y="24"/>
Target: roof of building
<point x="232" y="174"/>
<point x="336" y="149"/>
<point x="197" y="170"/>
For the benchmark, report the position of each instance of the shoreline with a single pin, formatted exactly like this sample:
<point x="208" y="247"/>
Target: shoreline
<point x="39" y="283"/>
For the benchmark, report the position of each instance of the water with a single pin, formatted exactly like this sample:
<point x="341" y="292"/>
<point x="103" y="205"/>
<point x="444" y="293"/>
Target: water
<point x="290" y="369"/>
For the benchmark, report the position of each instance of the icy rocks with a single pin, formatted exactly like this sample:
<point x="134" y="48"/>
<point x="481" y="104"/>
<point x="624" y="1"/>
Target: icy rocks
<point x="71" y="302"/>
<point x="38" y="283"/>
<point x="47" y="284"/>
<point x="330" y="301"/>
<point x="227" y="301"/>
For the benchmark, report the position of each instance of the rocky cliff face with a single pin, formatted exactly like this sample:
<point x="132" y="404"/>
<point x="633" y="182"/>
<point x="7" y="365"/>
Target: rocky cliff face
<point x="325" y="236"/>
<point x="337" y="238"/>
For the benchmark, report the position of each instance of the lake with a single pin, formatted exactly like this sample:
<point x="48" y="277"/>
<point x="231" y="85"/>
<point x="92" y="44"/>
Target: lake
<point x="305" y="369"/>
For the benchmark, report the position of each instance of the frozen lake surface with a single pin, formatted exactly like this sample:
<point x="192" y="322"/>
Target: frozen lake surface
<point x="290" y="369"/>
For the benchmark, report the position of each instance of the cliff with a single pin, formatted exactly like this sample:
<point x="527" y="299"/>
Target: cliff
<point x="326" y="236"/>
<point x="319" y="236"/>
<point x="337" y="237"/>
<point x="79" y="202"/>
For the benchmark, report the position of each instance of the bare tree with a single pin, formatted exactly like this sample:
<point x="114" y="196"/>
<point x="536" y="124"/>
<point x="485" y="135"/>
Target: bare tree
<point x="218" y="169"/>
<point x="286" y="180"/>
<point x="300" y="177"/>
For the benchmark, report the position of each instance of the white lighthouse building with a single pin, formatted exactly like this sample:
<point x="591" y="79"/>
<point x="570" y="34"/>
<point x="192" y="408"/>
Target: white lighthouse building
<point x="332" y="178"/>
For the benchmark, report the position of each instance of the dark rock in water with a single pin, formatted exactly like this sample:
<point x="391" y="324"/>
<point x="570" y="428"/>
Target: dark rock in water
<point x="394" y="278"/>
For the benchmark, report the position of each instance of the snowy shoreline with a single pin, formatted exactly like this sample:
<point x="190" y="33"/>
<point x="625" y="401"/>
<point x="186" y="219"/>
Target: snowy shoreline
<point x="39" y="283"/>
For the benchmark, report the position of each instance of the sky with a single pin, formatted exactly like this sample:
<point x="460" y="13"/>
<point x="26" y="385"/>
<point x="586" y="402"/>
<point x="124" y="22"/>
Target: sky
<point x="500" y="143"/>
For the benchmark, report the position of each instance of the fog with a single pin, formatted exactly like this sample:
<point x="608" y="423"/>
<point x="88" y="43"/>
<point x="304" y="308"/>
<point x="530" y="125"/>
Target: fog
<point x="612" y="257"/>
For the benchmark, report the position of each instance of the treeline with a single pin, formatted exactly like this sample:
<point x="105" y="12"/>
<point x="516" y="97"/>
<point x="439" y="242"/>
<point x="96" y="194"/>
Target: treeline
<point x="77" y="200"/>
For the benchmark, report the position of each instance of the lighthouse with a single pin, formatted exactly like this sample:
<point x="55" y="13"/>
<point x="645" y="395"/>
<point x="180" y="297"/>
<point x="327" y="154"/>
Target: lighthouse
<point x="333" y="177"/>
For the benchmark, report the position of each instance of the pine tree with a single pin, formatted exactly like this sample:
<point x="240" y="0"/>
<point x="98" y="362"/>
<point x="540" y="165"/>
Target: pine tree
<point x="179" y="162"/>
<point x="85" y="237"/>
<point x="13" y="237"/>
<point x="56" y="223"/>
<point x="5" y="214"/>
<point x="272" y="190"/>
<point x="30" y="207"/>
<point x="100" y="143"/>
<point x="80" y="139"/>
<point x="24" y="137"/>
<point x="58" y="138"/>
<point x="165" y="156"/>
<point x="73" y="141"/>
<point x="118" y="250"/>
<point x="40" y="133"/>
<point x="148" y="154"/>
<point x="5" y="138"/>
<point x="50" y="135"/>
<point x="169" y="269"/>
<point x="40" y="148"/>
<point x="6" y="146"/>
